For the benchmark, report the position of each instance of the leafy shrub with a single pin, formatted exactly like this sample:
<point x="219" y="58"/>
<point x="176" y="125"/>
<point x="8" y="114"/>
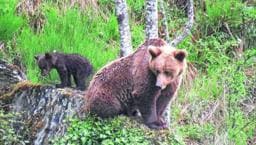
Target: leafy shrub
<point x="221" y="77"/>
<point x="197" y="131"/>
<point x="94" y="131"/>
<point x="137" y="10"/>
<point x="7" y="133"/>
<point x="224" y="11"/>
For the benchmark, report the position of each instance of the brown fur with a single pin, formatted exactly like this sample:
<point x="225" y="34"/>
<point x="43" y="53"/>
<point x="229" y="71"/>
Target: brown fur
<point x="145" y="80"/>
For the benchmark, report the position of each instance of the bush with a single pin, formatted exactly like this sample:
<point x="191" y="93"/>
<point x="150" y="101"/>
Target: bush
<point x="94" y="131"/>
<point x="7" y="133"/>
<point x="220" y="82"/>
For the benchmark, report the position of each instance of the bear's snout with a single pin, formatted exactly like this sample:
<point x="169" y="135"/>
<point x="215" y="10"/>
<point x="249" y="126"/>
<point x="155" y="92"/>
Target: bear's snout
<point x="160" y="84"/>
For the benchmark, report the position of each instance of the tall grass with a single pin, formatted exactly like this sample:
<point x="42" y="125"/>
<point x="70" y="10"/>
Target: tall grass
<point x="71" y="32"/>
<point x="9" y="21"/>
<point x="210" y="112"/>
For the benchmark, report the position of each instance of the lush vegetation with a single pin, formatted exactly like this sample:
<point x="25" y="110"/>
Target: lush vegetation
<point x="7" y="133"/>
<point x="106" y="132"/>
<point x="219" y="106"/>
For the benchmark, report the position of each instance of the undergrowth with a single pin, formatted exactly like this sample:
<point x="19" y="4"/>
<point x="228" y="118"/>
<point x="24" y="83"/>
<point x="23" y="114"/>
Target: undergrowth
<point x="7" y="132"/>
<point x="216" y="109"/>
<point x="106" y="132"/>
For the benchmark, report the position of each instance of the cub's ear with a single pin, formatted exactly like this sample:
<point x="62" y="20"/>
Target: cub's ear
<point x="48" y="55"/>
<point x="36" y="57"/>
<point x="154" y="51"/>
<point x="180" y="55"/>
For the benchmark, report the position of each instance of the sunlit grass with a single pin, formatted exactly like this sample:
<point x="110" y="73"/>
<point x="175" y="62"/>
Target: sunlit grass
<point x="208" y="112"/>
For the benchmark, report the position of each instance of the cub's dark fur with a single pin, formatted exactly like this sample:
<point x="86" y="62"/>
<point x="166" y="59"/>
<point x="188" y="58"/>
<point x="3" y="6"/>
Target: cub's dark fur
<point x="67" y="65"/>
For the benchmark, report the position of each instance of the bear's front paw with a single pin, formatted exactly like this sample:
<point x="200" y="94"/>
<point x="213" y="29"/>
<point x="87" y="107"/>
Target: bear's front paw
<point x="162" y="121"/>
<point x="158" y="125"/>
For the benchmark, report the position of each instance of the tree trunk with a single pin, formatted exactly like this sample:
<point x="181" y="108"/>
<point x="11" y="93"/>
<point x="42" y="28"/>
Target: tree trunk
<point x="124" y="28"/>
<point x="151" y="19"/>
<point x="164" y="23"/>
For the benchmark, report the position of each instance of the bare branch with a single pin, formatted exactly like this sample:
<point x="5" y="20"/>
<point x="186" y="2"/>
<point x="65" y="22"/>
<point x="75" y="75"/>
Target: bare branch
<point x="164" y="21"/>
<point x="124" y="28"/>
<point x="188" y="25"/>
<point x="151" y="19"/>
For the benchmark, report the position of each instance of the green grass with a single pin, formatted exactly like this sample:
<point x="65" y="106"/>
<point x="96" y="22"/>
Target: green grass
<point x="9" y="22"/>
<point x="209" y="112"/>
<point x="106" y="132"/>
<point x="7" y="132"/>
<point x="72" y="32"/>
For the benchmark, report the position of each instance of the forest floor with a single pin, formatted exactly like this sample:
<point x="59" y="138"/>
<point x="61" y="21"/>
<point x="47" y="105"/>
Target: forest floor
<point x="217" y="107"/>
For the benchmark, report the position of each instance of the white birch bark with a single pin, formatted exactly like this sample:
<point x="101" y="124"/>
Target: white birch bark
<point x="151" y="29"/>
<point x="124" y="28"/>
<point x="188" y="25"/>
<point x="164" y="21"/>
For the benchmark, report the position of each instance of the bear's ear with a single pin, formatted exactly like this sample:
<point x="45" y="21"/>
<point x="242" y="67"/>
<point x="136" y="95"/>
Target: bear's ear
<point x="154" y="51"/>
<point x="180" y="55"/>
<point x="48" y="55"/>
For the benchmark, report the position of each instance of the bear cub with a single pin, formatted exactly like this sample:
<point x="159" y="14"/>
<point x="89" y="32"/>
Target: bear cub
<point x="146" y="81"/>
<point x="67" y="65"/>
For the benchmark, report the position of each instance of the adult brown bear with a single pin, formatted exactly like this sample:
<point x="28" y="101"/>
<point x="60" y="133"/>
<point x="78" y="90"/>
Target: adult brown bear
<point x="146" y="80"/>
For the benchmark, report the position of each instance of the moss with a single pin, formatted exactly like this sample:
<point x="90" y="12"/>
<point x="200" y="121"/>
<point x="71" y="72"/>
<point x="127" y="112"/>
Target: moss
<point x="13" y="89"/>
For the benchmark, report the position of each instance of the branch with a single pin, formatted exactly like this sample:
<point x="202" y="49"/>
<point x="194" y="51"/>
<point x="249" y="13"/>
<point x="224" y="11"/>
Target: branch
<point x="124" y="28"/>
<point x="151" y="19"/>
<point x="188" y="25"/>
<point x="164" y="22"/>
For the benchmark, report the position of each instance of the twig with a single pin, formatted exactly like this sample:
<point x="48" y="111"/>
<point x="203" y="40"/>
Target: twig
<point x="164" y="21"/>
<point x="213" y="109"/>
<point x="188" y="25"/>
<point x="229" y="31"/>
